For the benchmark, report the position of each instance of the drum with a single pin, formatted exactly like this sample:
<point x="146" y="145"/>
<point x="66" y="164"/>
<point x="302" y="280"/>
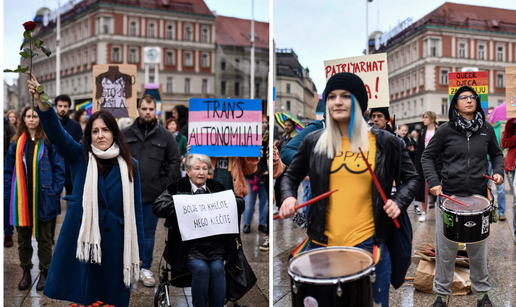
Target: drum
<point x="466" y="225"/>
<point x="332" y="276"/>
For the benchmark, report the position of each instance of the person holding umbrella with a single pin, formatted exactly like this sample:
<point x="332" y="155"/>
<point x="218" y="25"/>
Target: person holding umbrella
<point x="355" y="215"/>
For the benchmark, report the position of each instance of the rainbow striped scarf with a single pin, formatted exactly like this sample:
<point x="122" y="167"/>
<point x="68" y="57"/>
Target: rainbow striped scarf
<point x="19" y="200"/>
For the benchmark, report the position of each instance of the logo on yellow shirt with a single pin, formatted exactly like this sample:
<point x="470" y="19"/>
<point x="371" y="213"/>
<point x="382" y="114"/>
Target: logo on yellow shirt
<point x="352" y="162"/>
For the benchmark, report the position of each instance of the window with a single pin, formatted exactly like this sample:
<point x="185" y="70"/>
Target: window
<point x="397" y="86"/>
<point x="86" y="87"/>
<point x="133" y="28"/>
<point x="86" y="34"/>
<point x="408" y="82"/>
<point x="444" y="106"/>
<point x="425" y="48"/>
<point x="288" y="88"/>
<point x="187" y="86"/>
<point x="133" y="55"/>
<point x="73" y="85"/>
<point x="188" y="33"/>
<point x="223" y="65"/>
<point x="151" y="79"/>
<point x="79" y="60"/>
<point x="205" y="61"/>
<point x="414" y="80"/>
<point x="72" y="61"/>
<point x="462" y="50"/>
<point x="402" y="89"/>
<point x="444" y="76"/>
<point x="434" y="47"/>
<point x="170" y="58"/>
<point x="402" y="57"/>
<point x="223" y="88"/>
<point x="116" y="54"/>
<point x="421" y="77"/>
<point x="415" y="49"/>
<point x="93" y="55"/>
<point x="152" y="29"/>
<point x="188" y="59"/>
<point x="481" y="52"/>
<point x="170" y="31"/>
<point x="104" y="25"/>
<point x="237" y="88"/>
<point x="204" y="88"/>
<point x="237" y="63"/>
<point x="288" y="105"/>
<point x="415" y="107"/>
<point x="205" y="35"/>
<point x="396" y="63"/>
<point x="500" y="82"/>
<point x="408" y="55"/>
<point x="500" y="101"/>
<point x="79" y="32"/>
<point x="499" y="53"/>
<point x="257" y="90"/>
<point x="169" y="84"/>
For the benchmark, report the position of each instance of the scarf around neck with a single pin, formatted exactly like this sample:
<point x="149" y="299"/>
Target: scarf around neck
<point x="88" y="242"/>
<point x="19" y="201"/>
<point x="468" y="127"/>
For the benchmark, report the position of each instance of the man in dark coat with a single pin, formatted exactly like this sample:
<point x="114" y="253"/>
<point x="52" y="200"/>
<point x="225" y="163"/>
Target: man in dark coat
<point x="159" y="159"/>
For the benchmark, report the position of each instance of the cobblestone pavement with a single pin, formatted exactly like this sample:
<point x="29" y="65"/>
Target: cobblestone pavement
<point x="502" y="257"/>
<point x="141" y="296"/>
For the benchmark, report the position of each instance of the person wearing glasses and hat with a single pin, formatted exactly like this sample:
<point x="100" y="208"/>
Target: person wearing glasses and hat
<point x="464" y="142"/>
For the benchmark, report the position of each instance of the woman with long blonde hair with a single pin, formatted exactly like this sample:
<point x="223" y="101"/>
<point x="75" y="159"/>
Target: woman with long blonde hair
<point x="355" y="215"/>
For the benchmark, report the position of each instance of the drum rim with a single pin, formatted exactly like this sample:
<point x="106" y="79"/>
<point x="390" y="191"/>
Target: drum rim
<point x="333" y="280"/>
<point x="476" y="212"/>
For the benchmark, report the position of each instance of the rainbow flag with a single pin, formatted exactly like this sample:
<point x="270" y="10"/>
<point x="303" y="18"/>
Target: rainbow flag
<point x="478" y="80"/>
<point x="86" y="105"/>
<point x="300" y="248"/>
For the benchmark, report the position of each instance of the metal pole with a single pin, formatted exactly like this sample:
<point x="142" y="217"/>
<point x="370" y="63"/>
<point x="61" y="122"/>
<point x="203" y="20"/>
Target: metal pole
<point x="366" y="28"/>
<point x="252" y="50"/>
<point x="58" y="50"/>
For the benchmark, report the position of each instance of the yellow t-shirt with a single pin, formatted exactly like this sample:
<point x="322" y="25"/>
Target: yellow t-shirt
<point x="349" y="216"/>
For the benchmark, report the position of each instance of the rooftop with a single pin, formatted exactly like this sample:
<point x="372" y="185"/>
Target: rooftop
<point x="233" y="31"/>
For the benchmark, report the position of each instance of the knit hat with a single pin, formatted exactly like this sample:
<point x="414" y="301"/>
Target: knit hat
<point x="384" y="111"/>
<point x="351" y="83"/>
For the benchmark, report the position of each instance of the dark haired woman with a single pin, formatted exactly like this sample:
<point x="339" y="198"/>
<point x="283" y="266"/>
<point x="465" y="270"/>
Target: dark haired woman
<point x="32" y="165"/>
<point x="180" y="113"/>
<point x="101" y="243"/>
<point x="81" y="116"/>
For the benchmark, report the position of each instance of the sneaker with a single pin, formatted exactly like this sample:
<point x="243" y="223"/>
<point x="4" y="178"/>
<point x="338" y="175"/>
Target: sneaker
<point x="422" y="218"/>
<point x="484" y="302"/>
<point x="417" y="210"/>
<point x="276" y="211"/>
<point x="502" y="217"/>
<point x="439" y="302"/>
<point x="147" y="278"/>
<point x="265" y="245"/>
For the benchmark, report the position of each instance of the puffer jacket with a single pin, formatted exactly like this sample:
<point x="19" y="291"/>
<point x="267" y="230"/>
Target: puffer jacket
<point x="386" y="169"/>
<point x="464" y="160"/>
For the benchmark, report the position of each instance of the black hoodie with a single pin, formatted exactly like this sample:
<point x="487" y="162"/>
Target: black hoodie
<point x="464" y="159"/>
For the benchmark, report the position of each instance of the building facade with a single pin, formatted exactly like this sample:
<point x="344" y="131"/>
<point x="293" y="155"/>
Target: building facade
<point x="115" y="32"/>
<point x="452" y="38"/>
<point x="233" y="59"/>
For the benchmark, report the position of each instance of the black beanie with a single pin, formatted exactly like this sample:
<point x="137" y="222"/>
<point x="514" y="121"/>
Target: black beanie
<point x="384" y="111"/>
<point x="351" y="83"/>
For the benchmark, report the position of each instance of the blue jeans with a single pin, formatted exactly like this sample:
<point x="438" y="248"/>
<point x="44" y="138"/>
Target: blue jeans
<point x="208" y="282"/>
<point x="500" y="191"/>
<point x="250" y="202"/>
<point x="150" y="221"/>
<point x="307" y="195"/>
<point x="510" y="176"/>
<point x="383" y="271"/>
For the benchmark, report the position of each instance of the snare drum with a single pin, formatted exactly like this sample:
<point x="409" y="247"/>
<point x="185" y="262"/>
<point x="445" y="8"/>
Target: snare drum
<point x="332" y="276"/>
<point x="466" y="225"/>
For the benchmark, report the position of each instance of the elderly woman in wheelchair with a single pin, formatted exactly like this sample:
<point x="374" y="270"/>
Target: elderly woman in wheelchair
<point x="200" y="262"/>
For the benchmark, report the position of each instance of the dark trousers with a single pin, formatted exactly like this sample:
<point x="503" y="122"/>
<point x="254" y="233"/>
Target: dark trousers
<point x="44" y="246"/>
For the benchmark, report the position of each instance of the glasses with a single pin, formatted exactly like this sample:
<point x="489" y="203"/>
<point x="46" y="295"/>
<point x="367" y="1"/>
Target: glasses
<point x="472" y="97"/>
<point x="425" y="116"/>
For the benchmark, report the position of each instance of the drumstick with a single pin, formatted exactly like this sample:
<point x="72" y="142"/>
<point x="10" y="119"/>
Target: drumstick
<point x="489" y="177"/>
<point x="452" y="199"/>
<point x="377" y="184"/>
<point x="311" y="201"/>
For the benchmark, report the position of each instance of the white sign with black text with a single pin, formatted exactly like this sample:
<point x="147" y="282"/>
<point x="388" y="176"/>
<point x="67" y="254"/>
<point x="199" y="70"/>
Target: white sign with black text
<point x="205" y="215"/>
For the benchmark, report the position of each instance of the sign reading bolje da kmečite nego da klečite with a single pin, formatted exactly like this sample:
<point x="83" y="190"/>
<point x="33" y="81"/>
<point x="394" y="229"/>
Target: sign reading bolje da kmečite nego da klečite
<point x="204" y="215"/>
<point x="221" y="127"/>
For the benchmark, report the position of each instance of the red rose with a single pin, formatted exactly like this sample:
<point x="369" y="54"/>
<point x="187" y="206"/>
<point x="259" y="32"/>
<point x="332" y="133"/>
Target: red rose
<point x="29" y="26"/>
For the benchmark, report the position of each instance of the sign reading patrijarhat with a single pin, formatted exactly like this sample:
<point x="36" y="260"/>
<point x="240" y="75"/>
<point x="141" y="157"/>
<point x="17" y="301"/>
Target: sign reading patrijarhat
<point x="372" y="69"/>
<point x="205" y="215"/>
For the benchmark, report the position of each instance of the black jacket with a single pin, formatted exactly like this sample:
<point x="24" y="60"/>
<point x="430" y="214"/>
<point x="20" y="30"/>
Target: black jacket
<point x="420" y="195"/>
<point x="464" y="160"/>
<point x="158" y="157"/>
<point x="75" y="130"/>
<point x="176" y="251"/>
<point x="318" y="167"/>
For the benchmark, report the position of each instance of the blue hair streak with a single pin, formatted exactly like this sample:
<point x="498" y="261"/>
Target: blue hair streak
<point x="351" y="122"/>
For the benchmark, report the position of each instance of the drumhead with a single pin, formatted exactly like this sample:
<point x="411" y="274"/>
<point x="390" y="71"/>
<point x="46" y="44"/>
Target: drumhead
<point x="476" y="203"/>
<point x="331" y="263"/>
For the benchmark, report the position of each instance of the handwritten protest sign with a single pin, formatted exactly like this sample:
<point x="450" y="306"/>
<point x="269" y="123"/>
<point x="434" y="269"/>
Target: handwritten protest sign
<point x="114" y="89"/>
<point x="478" y="80"/>
<point x="204" y="215"/>
<point x="510" y="90"/>
<point x="225" y="127"/>
<point x="372" y="69"/>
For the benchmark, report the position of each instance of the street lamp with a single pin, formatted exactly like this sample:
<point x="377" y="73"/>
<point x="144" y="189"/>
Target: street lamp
<point x="366" y="27"/>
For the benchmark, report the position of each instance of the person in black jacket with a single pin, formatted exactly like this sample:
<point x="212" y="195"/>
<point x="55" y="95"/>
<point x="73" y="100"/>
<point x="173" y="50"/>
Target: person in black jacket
<point x="9" y="132"/>
<point x="464" y="144"/>
<point x="355" y="215"/>
<point x="203" y="257"/>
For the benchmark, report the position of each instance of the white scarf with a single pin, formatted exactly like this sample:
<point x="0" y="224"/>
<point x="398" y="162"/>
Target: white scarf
<point x="88" y="242"/>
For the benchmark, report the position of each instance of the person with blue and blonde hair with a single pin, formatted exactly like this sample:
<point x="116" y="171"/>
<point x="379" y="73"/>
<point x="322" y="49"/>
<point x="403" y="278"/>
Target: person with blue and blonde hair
<point x="355" y="215"/>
